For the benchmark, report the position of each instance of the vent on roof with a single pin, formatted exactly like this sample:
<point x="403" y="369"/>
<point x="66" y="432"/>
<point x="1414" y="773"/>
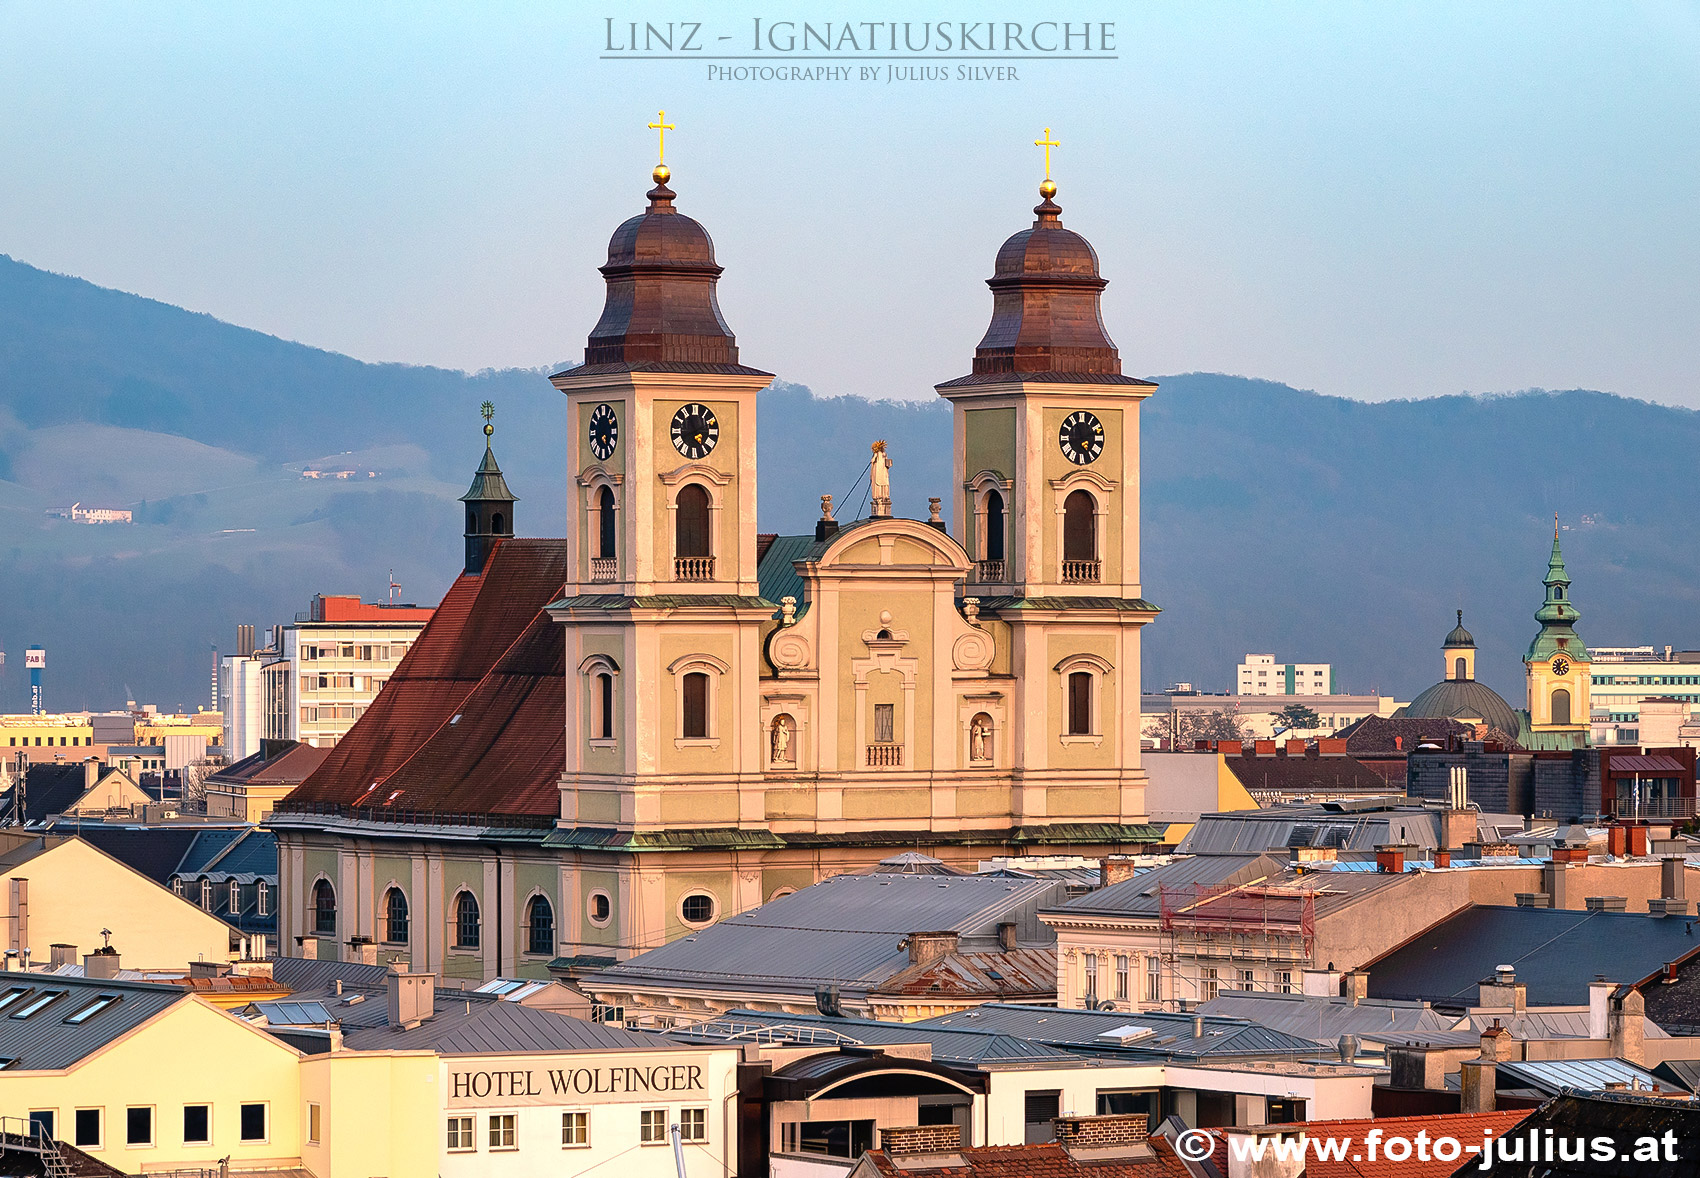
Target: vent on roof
<point x="1127" y="1033"/>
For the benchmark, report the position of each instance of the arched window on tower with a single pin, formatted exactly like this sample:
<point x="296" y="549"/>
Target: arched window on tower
<point x="1561" y="706"/>
<point x="693" y="554"/>
<point x="604" y="706"/>
<point x="994" y="546"/>
<point x="324" y="909"/>
<point x="695" y="692"/>
<point x="605" y="524"/>
<point x="1458" y="667"/>
<point x="1080" y="703"/>
<point x="540" y="926"/>
<point x="395" y="917"/>
<point x="1080" y="537"/>
<point x="466" y="921"/>
<point x="496" y="521"/>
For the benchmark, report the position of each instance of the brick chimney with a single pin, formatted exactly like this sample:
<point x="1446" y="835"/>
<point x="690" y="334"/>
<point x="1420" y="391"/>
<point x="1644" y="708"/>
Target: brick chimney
<point x="412" y="996"/>
<point x="1498" y="1045"/>
<point x="1295" y="747"/>
<point x="910" y="1140"/>
<point x="1390" y="857"/>
<point x="1617" y="841"/>
<point x="926" y="948"/>
<point x="1112" y="869"/>
<point x="1357" y="986"/>
<point x="1503" y="990"/>
<point x="1264" y="748"/>
<point x="1116" y="1131"/>
<point x="1231" y="748"/>
<point x="1331" y="746"/>
<point x="1637" y="840"/>
<point x="1006" y="935"/>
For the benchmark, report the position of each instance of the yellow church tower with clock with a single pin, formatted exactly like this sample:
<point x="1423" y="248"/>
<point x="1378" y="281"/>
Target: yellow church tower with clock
<point x="1557" y="667"/>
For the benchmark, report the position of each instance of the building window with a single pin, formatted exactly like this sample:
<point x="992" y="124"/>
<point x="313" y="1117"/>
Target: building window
<point x="652" y="1126"/>
<point x="1285" y="981"/>
<point x="693" y="1124"/>
<point x="1248" y="979"/>
<point x="540" y="926"/>
<point x="460" y="1135"/>
<point x="235" y="899"/>
<point x="692" y="524"/>
<point x="1080" y="703"/>
<point x="885" y="723"/>
<point x="604" y="706"/>
<point x="1121" y="977"/>
<point x="395" y="917"/>
<point x="138" y="1126"/>
<point x="1080" y="526"/>
<point x="262" y="898"/>
<point x="599" y="907"/>
<point x="575" y="1130"/>
<point x="994" y="545"/>
<point x="504" y="1131"/>
<point x="313" y="1123"/>
<point x="206" y="894"/>
<point x="177" y="884"/>
<point x="86" y="1127"/>
<point x="1209" y="986"/>
<point x="41" y="1119"/>
<point x="1089" y="976"/>
<point x="1153" y="979"/>
<point x="253" y="1120"/>
<point x="1561" y="706"/>
<point x="197" y="1124"/>
<point x="324" y="909"/>
<point x="697" y="908"/>
<point x="695" y="705"/>
<point x="466" y="921"/>
<point x="605" y="524"/>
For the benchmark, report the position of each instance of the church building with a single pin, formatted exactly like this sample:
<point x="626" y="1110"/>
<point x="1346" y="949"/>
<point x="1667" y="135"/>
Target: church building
<point x="604" y="742"/>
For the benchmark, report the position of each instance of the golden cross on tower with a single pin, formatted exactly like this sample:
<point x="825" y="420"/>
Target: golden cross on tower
<point x="488" y="409"/>
<point x="1047" y="188"/>
<point x="661" y="126"/>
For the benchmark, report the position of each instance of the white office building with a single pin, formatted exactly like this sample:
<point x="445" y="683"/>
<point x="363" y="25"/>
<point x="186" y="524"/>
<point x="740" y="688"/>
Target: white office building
<point x="1260" y="674"/>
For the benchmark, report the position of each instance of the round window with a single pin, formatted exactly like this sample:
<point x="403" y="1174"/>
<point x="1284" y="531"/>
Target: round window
<point x="697" y="908"/>
<point x="599" y="909"/>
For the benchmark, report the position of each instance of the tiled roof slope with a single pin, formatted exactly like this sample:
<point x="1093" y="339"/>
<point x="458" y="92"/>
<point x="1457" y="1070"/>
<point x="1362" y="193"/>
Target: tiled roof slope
<point x="1032" y="1161"/>
<point x="477" y="622"/>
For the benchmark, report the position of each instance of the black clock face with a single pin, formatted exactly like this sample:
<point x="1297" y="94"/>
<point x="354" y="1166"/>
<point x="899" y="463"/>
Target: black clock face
<point x="604" y="431"/>
<point x="695" y="431"/>
<point x="1561" y="666"/>
<point x="1081" y="438"/>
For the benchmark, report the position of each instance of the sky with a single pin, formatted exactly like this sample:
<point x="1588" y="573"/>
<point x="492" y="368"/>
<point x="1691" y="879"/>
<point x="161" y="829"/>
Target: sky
<point x="1369" y="200"/>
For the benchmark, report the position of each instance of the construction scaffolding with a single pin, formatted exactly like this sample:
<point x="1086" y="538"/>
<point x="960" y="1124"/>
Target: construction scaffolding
<point x="1270" y="925"/>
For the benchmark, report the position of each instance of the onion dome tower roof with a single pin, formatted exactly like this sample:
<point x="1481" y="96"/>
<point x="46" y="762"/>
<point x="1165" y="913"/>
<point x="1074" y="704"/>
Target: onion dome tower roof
<point x="1046" y="324"/>
<point x="1460" y="637"/>
<point x="1557" y="615"/>
<point x="662" y="312"/>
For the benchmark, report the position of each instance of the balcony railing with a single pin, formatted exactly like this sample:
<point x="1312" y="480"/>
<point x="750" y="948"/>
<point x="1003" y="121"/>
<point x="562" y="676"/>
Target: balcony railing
<point x="1080" y="572"/>
<point x="991" y="570"/>
<point x="885" y="756"/>
<point x="693" y="568"/>
<point x="1626" y="807"/>
<point x="604" y="568"/>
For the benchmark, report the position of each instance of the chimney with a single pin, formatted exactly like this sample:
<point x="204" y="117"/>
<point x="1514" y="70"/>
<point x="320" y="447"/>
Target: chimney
<point x="1637" y="840"/>
<point x="1390" y="857"/>
<point x="1599" y="1002"/>
<point x="1626" y="1019"/>
<point x="309" y="948"/>
<point x="209" y="969"/>
<point x="1112" y="869"/>
<point x="907" y="1141"/>
<point x="1477" y="1078"/>
<point x="1617" y="841"/>
<point x="1503" y="990"/>
<point x="1457" y="827"/>
<point x="1006" y="935"/>
<point x="1198" y="1026"/>
<point x="62" y="955"/>
<point x="365" y="950"/>
<point x="102" y="963"/>
<point x="926" y="948"/>
<point x="1295" y="747"/>
<point x="1331" y="746"/>
<point x="1308" y="854"/>
<point x="1555" y="882"/>
<point x="1231" y="748"/>
<point x="1443" y="858"/>
<point x="1673" y="888"/>
<point x="1264" y="748"/>
<point x="1498" y="1045"/>
<point x="1357" y="986"/>
<point x="412" y="996"/>
<point x="1114" y="1131"/>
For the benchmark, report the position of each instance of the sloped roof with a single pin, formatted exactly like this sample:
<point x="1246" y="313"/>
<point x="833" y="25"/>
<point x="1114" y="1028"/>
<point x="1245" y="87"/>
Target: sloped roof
<point x="1034" y="1161"/>
<point x="1303" y="774"/>
<point x="484" y="1026"/>
<point x="49" y="789"/>
<point x="1624" y="1118"/>
<point x="963" y="1045"/>
<point x="846" y="931"/>
<point x="1096" y="1032"/>
<point x="1012" y="974"/>
<point x="1384" y="735"/>
<point x="478" y="621"/>
<point x="1553" y="1076"/>
<point x="1138" y="896"/>
<point x="45" y="1041"/>
<point x="777" y="574"/>
<point x="154" y="851"/>
<point x="1325" y="1018"/>
<point x="1465" y="1128"/>
<point x="290" y="766"/>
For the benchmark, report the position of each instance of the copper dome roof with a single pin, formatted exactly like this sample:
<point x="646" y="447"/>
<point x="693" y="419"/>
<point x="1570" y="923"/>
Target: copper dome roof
<point x="662" y="310"/>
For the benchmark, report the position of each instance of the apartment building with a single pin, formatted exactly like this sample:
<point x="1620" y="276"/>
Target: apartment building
<point x="1260" y="674"/>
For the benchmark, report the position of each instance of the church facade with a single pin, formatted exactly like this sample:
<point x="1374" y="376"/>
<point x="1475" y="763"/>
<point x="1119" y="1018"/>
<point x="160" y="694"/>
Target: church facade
<point x="665" y="718"/>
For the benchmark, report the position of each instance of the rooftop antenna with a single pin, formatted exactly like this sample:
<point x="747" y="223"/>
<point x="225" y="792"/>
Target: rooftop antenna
<point x="395" y="589"/>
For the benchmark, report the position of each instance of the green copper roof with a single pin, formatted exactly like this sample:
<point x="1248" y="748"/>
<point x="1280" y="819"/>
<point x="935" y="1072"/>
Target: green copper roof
<point x="488" y="485"/>
<point x="1557" y="616"/>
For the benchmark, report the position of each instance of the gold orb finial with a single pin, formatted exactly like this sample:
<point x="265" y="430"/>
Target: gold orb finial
<point x="488" y="410"/>
<point x="661" y="173"/>
<point x="1047" y="188"/>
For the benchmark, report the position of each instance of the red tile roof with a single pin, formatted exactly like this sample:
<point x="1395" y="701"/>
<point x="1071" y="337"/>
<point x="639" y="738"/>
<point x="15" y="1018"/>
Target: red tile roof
<point x="481" y="620"/>
<point x="1038" y="1161"/>
<point x="1468" y="1129"/>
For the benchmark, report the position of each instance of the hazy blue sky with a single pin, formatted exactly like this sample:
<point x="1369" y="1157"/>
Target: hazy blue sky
<point x="1375" y="200"/>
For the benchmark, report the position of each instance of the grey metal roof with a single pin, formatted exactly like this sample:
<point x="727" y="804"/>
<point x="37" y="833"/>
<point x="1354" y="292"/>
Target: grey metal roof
<point x="294" y="1014"/>
<point x="1275" y="828"/>
<point x="1559" y="1022"/>
<point x="964" y="1046"/>
<point x="1325" y="1018"/>
<point x="1555" y="952"/>
<point x="846" y="931"/>
<point x="1092" y="1031"/>
<point x="1552" y="1076"/>
<point x="45" y="1041"/>
<point x="1138" y="896"/>
<point x="300" y="973"/>
<point x="465" y="1026"/>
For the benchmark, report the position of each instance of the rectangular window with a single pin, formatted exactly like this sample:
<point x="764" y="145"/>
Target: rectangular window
<point x="1153" y="979"/>
<point x="1285" y="980"/>
<point x="313" y="1124"/>
<point x="1039" y="1113"/>
<point x="253" y="1122"/>
<point x="575" y="1130"/>
<point x="1248" y="980"/>
<point x="693" y="1124"/>
<point x="885" y="723"/>
<point x="87" y="1127"/>
<point x="197" y="1124"/>
<point x="262" y="899"/>
<point x="92" y="1009"/>
<point x="1121" y="976"/>
<point x="12" y="995"/>
<point x="1080" y="703"/>
<point x="504" y="1131"/>
<point x="138" y="1126"/>
<point x="460" y="1135"/>
<point x="1209" y="987"/>
<point x="34" y="1004"/>
<point x="652" y="1126"/>
<point x="695" y="701"/>
<point x="41" y="1122"/>
<point x="1089" y="976"/>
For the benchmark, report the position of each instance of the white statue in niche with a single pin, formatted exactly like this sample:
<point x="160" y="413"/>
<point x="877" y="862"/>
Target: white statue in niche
<point x="980" y="738"/>
<point x="780" y="742"/>
<point x="880" y="479"/>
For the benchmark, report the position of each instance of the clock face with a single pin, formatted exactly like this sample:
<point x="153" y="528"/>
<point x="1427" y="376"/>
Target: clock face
<point x="695" y="431"/>
<point x="1081" y="438"/>
<point x="1561" y="666"/>
<point x="604" y="431"/>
